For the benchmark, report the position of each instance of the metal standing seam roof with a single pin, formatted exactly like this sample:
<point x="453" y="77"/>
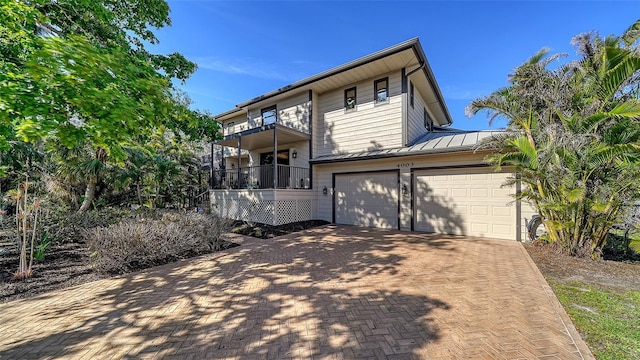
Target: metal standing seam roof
<point x="441" y="141"/>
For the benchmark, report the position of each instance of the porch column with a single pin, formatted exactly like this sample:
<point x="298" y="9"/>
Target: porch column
<point x="211" y="173"/>
<point x="239" y="160"/>
<point x="275" y="157"/>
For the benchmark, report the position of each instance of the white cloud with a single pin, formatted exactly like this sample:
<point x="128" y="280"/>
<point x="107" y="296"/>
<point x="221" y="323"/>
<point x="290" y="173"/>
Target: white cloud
<point x="248" y="67"/>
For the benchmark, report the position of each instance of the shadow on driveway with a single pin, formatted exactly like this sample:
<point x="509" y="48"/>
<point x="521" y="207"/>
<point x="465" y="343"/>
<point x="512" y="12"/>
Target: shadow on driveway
<point x="343" y="291"/>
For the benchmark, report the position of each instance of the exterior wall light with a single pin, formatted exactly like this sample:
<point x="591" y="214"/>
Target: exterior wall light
<point x="294" y="154"/>
<point x="324" y="190"/>
<point x="405" y="190"/>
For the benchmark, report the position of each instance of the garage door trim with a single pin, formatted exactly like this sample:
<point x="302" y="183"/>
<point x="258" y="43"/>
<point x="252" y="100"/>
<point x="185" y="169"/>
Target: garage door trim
<point x="412" y="205"/>
<point x="518" y="185"/>
<point x="333" y="186"/>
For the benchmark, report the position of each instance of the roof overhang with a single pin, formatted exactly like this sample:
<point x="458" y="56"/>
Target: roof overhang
<point x="430" y="144"/>
<point x="263" y="137"/>
<point x="408" y="55"/>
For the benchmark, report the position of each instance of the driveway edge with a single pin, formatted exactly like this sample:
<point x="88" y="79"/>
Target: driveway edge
<point x="584" y="350"/>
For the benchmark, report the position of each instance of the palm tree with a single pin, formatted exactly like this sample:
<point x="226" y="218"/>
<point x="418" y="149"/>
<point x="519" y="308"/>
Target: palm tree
<point x="573" y="134"/>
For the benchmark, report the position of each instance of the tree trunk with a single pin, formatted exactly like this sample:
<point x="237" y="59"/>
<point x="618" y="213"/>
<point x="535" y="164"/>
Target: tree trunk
<point x="138" y="194"/>
<point x="89" y="194"/>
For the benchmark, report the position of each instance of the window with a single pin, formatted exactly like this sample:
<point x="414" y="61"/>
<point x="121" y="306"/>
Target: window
<point x="269" y="115"/>
<point x="381" y="90"/>
<point x="229" y="127"/>
<point x="411" y="93"/>
<point x="350" y="98"/>
<point x="428" y="123"/>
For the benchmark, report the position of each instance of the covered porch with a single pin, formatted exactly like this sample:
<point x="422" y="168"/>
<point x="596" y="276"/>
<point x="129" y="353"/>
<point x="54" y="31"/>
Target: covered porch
<point x="272" y="156"/>
<point x="265" y="178"/>
<point x="262" y="177"/>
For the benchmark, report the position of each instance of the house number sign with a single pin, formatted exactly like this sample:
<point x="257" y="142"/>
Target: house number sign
<point x="405" y="165"/>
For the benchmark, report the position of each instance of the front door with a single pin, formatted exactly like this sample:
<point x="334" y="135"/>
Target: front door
<point x="266" y="172"/>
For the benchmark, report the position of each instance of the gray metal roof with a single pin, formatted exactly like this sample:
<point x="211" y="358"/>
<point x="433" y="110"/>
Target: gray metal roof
<point x="434" y="142"/>
<point x="409" y="44"/>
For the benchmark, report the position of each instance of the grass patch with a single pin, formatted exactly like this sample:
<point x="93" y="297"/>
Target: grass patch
<point x="609" y="321"/>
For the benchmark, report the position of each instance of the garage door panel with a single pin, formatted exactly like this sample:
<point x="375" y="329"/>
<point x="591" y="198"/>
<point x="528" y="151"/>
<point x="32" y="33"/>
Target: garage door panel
<point x="501" y="211"/>
<point x="479" y="210"/>
<point x="464" y="201"/>
<point x="506" y="230"/>
<point x="460" y="192"/>
<point x="367" y="199"/>
<point x="479" y="193"/>
<point x="479" y="228"/>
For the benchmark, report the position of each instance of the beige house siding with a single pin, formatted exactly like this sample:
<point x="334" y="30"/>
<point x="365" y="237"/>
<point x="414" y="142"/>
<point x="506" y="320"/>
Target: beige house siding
<point x="302" y="148"/>
<point x="293" y="112"/>
<point x="232" y="152"/>
<point x="526" y="213"/>
<point x="370" y="126"/>
<point x="415" y="117"/>
<point x="240" y="123"/>
<point x="317" y="136"/>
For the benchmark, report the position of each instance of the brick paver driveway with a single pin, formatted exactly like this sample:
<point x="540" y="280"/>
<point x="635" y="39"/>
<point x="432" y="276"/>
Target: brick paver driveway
<point x="330" y="292"/>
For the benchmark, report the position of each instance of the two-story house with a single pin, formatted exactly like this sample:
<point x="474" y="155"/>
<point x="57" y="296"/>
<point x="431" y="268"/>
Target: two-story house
<point x="367" y="143"/>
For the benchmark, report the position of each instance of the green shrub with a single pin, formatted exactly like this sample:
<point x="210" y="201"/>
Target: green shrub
<point x="41" y="247"/>
<point x="148" y="241"/>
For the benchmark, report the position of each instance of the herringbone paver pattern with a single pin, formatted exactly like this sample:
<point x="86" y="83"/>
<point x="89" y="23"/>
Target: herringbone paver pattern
<point x="334" y="292"/>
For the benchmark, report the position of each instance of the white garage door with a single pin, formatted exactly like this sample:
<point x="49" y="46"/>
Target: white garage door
<point x="367" y="199"/>
<point x="464" y="202"/>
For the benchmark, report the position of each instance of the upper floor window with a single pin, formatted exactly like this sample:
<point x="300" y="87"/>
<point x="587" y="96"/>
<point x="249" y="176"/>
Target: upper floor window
<point x="428" y="123"/>
<point x="229" y="127"/>
<point x="381" y="90"/>
<point x="411" y="93"/>
<point x="350" y="98"/>
<point x="269" y="115"/>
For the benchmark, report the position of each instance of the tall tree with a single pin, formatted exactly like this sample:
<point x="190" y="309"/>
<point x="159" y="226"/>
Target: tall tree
<point x="573" y="134"/>
<point x="76" y="74"/>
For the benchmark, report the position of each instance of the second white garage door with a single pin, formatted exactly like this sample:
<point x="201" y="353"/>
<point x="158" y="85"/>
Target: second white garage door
<point x="464" y="202"/>
<point x="367" y="199"/>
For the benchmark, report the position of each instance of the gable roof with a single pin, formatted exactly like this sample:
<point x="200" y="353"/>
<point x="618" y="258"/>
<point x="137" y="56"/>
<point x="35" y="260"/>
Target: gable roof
<point x="435" y="142"/>
<point x="408" y="54"/>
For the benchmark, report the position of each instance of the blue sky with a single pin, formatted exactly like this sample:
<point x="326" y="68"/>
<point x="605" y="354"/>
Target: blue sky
<point x="244" y="49"/>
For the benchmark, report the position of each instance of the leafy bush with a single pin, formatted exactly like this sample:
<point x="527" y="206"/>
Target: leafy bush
<point x="143" y="242"/>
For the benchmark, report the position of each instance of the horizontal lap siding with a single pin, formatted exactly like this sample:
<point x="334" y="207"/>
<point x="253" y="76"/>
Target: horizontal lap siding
<point x="527" y="212"/>
<point x="316" y="135"/>
<point x="240" y="123"/>
<point x="302" y="148"/>
<point x="415" y="116"/>
<point x="293" y="112"/>
<point x="371" y="126"/>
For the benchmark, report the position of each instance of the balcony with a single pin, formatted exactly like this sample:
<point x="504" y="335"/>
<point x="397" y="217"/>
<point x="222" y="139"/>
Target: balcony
<point x="264" y="136"/>
<point x="262" y="177"/>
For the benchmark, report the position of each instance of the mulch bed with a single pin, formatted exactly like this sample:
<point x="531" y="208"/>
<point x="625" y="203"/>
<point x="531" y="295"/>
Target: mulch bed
<point x="64" y="265"/>
<point x="264" y="231"/>
<point x="609" y="274"/>
<point x="69" y="264"/>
